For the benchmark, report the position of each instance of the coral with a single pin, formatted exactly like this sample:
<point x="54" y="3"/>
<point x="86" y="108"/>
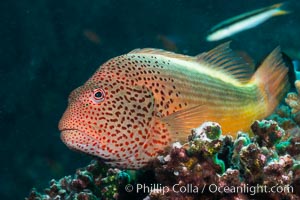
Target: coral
<point x="211" y="159"/>
<point x="209" y="166"/>
<point x="293" y="99"/>
<point x="205" y="140"/>
<point x="288" y="117"/>
<point x="283" y="116"/>
<point x="267" y="133"/>
<point x="93" y="182"/>
<point x="291" y="145"/>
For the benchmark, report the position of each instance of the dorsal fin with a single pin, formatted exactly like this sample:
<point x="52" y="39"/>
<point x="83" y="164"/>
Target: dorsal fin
<point x="162" y="52"/>
<point x="222" y="58"/>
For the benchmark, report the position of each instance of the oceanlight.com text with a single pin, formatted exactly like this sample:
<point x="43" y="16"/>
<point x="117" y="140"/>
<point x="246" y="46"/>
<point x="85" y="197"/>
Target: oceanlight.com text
<point x="211" y="188"/>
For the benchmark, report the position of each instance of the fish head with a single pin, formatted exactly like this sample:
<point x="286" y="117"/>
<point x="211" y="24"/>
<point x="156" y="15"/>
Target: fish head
<point x="85" y="124"/>
<point x="108" y="118"/>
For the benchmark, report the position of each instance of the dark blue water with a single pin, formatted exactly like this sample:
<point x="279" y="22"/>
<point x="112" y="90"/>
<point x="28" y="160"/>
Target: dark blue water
<point x="49" y="47"/>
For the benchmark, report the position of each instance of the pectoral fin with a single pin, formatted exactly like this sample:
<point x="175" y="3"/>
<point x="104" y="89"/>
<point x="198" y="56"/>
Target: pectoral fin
<point x="181" y="122"/>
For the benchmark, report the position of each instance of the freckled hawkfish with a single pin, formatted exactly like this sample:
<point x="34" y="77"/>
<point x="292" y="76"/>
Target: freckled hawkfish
<point x="135" y="105"/>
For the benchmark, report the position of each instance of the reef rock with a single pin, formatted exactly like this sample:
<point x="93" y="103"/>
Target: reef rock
<point x="208" y="166"/>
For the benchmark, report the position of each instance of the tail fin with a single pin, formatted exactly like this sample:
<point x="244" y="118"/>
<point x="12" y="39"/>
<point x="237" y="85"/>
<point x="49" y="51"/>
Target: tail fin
<point x="281" y="9"/>
<point x="272" y="79"/>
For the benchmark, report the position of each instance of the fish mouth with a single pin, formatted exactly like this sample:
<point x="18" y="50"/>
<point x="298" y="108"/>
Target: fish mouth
<point x="73" y="138"/>
<point x="78" y="141"/>
<point x="70" y="131"/>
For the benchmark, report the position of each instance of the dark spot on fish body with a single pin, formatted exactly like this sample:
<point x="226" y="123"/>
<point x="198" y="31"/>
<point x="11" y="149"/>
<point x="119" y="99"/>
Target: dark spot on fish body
<point x="149" y="105"/>
<point x="133" y="99"/>
<point x="141" y="124"/>
<point x="123" y="119"/>
<point x="132" y="111"/>
<point x="145" y="109"/>
<point x="142" y="100"/>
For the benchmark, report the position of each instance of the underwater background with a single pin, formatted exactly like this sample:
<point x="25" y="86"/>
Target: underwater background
<point x="48" y="48"/>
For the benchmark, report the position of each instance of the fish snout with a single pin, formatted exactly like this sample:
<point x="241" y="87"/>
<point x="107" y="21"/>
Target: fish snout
<point x="67" y="136"/>
<point x="65" y="121"/>
<point x="71" y="117"/>
<point x="79" y="141"/>
<point x="73" y="139"/>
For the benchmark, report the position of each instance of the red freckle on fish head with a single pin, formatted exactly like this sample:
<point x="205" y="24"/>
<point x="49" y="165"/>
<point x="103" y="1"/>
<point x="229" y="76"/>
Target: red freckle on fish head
<point x="90" y="117"/>
<point x="111" y="117"/>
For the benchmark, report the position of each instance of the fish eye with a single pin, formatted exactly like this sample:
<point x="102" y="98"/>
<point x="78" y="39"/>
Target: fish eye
<point x="98" y="95"/>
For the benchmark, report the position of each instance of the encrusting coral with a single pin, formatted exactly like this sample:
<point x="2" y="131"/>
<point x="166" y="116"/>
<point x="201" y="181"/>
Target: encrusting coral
<point x="288" y="117"/>
<point x="196" y="170"/>
<point x="93" y="182"/>
<point x="293" y="99"/>
<point x="249" y="163"/>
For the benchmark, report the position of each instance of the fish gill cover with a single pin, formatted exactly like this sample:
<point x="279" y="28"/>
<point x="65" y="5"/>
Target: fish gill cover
<point x="51" y="47"/>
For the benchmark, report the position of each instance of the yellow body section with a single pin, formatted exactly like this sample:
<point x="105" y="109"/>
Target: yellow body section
<point x="213" y="86"/>
<point x="227" y="101"/>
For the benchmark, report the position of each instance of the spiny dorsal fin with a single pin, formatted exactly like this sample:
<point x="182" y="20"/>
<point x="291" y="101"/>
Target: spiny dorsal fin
<point x="222" y="58"/>
<point x="162" y="52"/>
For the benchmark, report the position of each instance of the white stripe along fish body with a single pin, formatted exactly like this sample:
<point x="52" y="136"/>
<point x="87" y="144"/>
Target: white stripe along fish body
<point x="136" y="104"/>
<point x="245" y="21"/>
